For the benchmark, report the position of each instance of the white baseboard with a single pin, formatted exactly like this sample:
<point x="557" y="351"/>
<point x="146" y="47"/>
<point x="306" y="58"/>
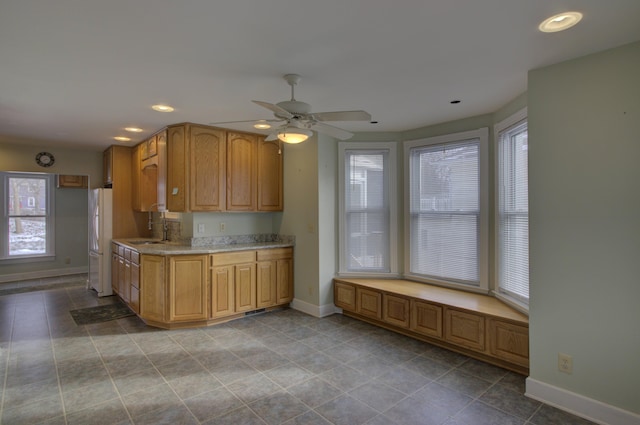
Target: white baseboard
<point x="312" y="309"/>
<point x="40" y="274"/>
<point x="588" y="408"/>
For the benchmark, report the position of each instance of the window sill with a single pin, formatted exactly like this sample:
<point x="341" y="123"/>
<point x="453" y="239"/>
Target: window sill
<point x="30" y="259"/>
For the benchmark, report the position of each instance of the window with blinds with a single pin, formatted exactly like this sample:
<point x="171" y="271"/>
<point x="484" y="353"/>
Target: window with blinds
<point x="367" y="208"/>
<point x="513" y="212"/>
<point x="445" y="211"/>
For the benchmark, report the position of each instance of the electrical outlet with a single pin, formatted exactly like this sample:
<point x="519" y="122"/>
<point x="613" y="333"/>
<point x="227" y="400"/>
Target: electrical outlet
<point x="223" y="227"/>
<point x="201" y="228"/>
<point x="565" y="363"/>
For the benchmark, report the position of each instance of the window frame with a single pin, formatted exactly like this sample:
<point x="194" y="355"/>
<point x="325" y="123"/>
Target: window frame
<point x="391" y="182"/>
<point x="510" y="121"/>
<point x="49" y="254"/>
<point x="482" y="135"/>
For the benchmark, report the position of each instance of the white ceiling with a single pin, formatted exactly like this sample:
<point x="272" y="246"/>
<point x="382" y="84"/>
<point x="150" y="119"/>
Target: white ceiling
<point x="76" y="72"/>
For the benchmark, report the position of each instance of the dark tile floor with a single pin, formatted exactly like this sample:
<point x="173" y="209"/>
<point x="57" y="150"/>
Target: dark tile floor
<point x="281" y="367"/>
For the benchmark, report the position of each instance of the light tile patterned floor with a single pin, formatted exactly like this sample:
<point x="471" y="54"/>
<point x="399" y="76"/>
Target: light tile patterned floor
<point x="281" y="367"/>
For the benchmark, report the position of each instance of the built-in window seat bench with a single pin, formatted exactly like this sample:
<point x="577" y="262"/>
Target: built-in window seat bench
<point x="477" y="325"/>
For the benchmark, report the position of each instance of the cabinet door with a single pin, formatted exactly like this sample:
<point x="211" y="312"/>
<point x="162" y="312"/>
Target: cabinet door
<point x="176" y="169"/>
<point x="241" y="171"/>
<point x="344" y="296"/>
<point x="222" y="291"/>
<point x="207" y="175"/>
<point x="395" y="310"/>
<point x="509" y="341"/>
<point x="269" y="175"/>
<point x="136" y="171"/>
<point x="115" y="279"/>
<point x="266" y="284"/>
<point x="152" y="287"/>
<point x="426" y="318"/>
<point x="161" y="178"/>
<point x="122" y="272"/>
<point x="125" y="287"/>
<point x="369" y="303"/>
<point x="67" y="181"/>
<point x="107" y="166"/>
<point x="284" y="280"/>
<point x="245" y="287"/>
<point x="465" y="329"/>
<point x="134" y="289"/>
<point x="188" y="287"/>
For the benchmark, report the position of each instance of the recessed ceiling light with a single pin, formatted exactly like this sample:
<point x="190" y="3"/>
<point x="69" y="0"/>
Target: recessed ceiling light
<point x="134" y="129"/>
<point x="262" y="125"/>
<point x="560" y="22"/>
<point x="162" y="108"/>
<point x="122" y="139"/>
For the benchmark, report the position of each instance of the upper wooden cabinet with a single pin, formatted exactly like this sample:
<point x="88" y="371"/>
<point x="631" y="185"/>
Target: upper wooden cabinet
<point x="211" y="169"/>
<point x="149" y="170"/>
<point x="241" y="171"/>
<point x="269" y="175"/>
<point x="76" y="182"/>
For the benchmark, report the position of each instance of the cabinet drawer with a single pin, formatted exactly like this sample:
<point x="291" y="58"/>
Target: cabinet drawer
<point x="509" y="341"/>
<point x="274" y="254"/>
<point x="135" y="257"/>
<point x="426" y="318"/>
<point x="121" y="250"/>
<point x="369" y="303"/>
<point x="114" y="247"/>
<point x="344" y="296"/>
<point x="395" y="310"/>
<point x="237" y="257"/>
<point x="465" y="329"/>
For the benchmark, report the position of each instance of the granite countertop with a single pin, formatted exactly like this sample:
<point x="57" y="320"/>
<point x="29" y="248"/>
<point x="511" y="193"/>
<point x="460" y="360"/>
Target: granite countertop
<point x="157" y="247"/>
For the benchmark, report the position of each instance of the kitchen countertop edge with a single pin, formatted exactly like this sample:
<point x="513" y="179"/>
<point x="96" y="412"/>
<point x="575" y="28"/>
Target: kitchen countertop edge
<point x="172" y="248"/>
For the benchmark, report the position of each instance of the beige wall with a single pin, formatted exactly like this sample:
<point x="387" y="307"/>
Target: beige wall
<point x="584" y="189"/>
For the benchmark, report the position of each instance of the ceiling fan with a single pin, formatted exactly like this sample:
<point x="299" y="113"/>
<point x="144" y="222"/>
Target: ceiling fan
<point x="298" y="120"/>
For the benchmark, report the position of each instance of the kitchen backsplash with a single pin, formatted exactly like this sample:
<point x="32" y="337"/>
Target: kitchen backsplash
<point x="238" y="239"/>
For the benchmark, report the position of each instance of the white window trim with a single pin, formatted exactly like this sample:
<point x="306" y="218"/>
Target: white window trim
<point x="393" y="207"/>
<point x="511" y="120"/>
<point x="483" y="244"/>
<point x="50" y="248"/>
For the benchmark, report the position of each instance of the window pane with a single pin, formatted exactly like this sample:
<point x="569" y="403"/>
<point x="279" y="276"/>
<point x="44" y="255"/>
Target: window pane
<point x="445" y="211"/>
<point x="513" y="207"/>
<point x="366" y="237"/>
<point x="27" y="235"/>
<point x="27" y="196"/>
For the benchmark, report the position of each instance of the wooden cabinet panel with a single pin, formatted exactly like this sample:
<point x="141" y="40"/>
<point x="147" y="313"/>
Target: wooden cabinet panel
<point x="188" y="287"/>
<point x="284" y="280"/>
<point x="222" y="291"/>
<point x="465" y="329"/>
<point x="426" y="318"/>
<point x="177" y="169"/>
<point x="75" y="182"/>
<point x="134" y="289"/>
<point x="235" y="257"/>
<point x="266" y="284"/>
<point x="245" y="287"/>
<point x="369" y="303"/>
<point x="107" y="167"/>
<point x="509" y="341"/>
<point x="395" y="310"/>
<point x="152" y="287"/>
<point x="115" y="278"/>
<point x="270" y="196"/>
<point x="344" y="296"/>
<point x="241" y="172"/>
<point x="207" y="174"/>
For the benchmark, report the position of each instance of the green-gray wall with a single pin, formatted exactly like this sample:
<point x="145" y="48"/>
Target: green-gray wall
<point x="584" y="188"/>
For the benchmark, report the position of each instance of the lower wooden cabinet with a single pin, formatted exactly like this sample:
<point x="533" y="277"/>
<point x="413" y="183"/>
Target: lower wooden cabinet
<point x="188" y="287"/>
<point x="491" y="331"/>
<point x="245" y="286"/>
<point x="465" y="329"/>
<point x="152" y="288"/>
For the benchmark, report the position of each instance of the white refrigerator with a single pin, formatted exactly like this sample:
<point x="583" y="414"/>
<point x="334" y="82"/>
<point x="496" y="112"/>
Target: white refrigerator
<point x="100" y="234"/>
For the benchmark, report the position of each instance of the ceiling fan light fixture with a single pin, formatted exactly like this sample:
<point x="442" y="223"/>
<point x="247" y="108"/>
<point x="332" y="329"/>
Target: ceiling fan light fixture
<point x="262" y="125"/>
<point x="294" y="135"/>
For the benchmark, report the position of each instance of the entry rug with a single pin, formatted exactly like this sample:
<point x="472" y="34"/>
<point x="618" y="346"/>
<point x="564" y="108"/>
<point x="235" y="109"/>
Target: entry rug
<point x="102" y="313"/>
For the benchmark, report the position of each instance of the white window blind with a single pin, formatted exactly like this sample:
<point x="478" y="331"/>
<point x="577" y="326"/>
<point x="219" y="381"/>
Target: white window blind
<point x="513" y="212"/>
<point x="444" y="204"/>
<point x="366" y="236"/>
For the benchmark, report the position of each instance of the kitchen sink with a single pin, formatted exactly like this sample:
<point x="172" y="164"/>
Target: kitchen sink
<point x="144" y="242"/>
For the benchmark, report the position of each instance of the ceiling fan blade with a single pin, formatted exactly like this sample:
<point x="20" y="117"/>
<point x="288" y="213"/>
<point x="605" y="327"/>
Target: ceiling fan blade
<point x="332" y="131"/>
<point x="342" y="116"/>
<point x="271" y="136"/>
<point x="241" y="121"/>
<point x="275" y="108"/>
